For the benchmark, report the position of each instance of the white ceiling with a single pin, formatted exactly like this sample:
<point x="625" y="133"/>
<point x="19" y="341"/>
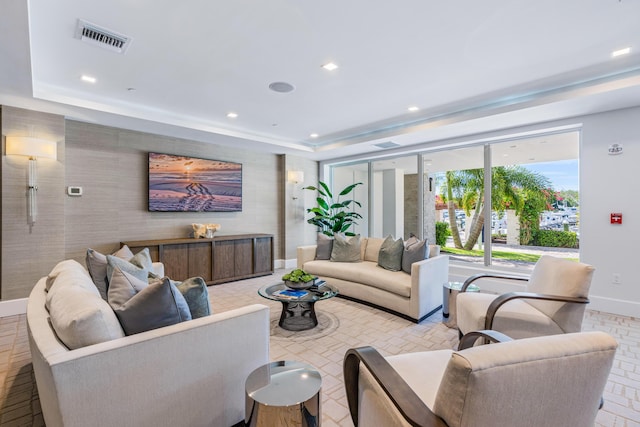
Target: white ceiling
<point x="470" y="66"/>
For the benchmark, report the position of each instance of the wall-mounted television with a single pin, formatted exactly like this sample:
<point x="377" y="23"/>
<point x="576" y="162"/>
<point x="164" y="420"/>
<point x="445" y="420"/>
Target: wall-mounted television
<point x="191" y="184"/>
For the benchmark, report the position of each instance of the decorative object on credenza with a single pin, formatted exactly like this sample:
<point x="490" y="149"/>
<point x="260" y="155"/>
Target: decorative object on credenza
<point x="190" y="184"/>
<point x="204" y="230"/>
<point x="298" y="279"/>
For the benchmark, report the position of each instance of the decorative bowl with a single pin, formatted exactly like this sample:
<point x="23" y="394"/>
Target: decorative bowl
<point x="299" y="285"/>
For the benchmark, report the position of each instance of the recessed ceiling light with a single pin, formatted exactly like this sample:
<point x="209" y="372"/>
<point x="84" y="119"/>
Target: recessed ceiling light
<point x="232" y="115"/>
<point x="330" y="66"/>
<point x="88" y="79"/>
<point x="413" y="108"/>
<point x="620" y="52"/>
<point x="314" y="135"/>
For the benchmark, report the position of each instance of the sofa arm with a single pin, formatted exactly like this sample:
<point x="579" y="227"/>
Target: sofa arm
<point x="177" y="375"/>
<point x="305" y="254"/>
<point x="427" y="278"/>
<point x="158" y="269"/>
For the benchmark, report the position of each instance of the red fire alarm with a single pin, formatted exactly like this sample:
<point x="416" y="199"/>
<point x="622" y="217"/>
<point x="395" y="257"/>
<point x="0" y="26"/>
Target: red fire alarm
<point x="616" y="218"/>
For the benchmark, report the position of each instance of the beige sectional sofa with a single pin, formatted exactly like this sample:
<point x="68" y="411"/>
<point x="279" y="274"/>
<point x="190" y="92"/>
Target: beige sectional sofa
<point x="178" y="375"/>
<point x="413" y="296"/>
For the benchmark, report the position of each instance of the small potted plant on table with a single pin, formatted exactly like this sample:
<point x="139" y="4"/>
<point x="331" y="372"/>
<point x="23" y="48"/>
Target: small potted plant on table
<point x="298" y="279"/>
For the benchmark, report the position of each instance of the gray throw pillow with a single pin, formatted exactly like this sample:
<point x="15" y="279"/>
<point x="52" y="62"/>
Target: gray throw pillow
<point x="390" y="255"/>
<point x="195" y="292"/>
<point x="157" y="305"/>
<point x="417" y="251"/>
<point x="143" y="260"/>
<point x="140" y="273"/>
<point x="346" y="249"/>
<point x="97" y="266"/>
<point x="325" y="246"/>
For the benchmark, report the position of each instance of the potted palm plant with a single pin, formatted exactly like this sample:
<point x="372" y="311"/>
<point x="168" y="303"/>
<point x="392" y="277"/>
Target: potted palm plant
<point x="333" y="216"/>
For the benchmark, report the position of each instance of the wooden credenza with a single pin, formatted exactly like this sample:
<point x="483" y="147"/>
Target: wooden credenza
<point x="217" y="260"/>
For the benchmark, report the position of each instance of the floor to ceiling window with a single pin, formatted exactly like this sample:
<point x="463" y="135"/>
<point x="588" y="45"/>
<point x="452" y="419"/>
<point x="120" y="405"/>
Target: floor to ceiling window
<point x="532" y="206"/>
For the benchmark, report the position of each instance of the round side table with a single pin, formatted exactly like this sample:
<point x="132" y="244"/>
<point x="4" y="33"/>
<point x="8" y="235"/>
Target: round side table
<point x="450" y="291"/>
<point x="283" y="393"/>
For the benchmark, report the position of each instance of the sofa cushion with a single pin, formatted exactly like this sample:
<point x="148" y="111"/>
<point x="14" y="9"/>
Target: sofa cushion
<point x="79" y="316"/>
<point x="390" y="255"/>
<point x="324" y="246"/>
<point x="365" y="272"/>
<point x="97" y="265"/>
<point x="372" y="248"/>
<point x="414" y="251"/>
<point x="156" y="305"/>
<point x="195" y="292"/>
<point x="70" y="270"/>
<point x="346" y="249"/>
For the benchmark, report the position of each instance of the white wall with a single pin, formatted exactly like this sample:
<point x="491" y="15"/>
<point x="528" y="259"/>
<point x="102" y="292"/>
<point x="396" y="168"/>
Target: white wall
<point x="609" y="184"/>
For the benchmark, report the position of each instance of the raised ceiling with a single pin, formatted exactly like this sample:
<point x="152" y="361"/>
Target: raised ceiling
<point x="468" y="66"/>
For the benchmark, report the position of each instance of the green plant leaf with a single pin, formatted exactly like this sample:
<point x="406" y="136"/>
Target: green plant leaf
<point x="322" y="203"/>
<point x="326" y="189"/>
<point x="349" y="188"/>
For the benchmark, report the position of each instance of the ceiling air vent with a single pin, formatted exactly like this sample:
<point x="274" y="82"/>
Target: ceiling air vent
<point x="98" y="36"/>
<point x="388" y="144"/>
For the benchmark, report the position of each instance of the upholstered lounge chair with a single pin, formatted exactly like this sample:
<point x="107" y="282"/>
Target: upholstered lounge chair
<point x="554" y="302"/>
<point x="544" y="381"/>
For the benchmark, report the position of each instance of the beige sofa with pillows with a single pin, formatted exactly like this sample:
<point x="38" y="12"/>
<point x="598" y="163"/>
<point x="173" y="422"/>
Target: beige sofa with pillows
<point x="404" y="278"/>
<point x="150" y="354"/>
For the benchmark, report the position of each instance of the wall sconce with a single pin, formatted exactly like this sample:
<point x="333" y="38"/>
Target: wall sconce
<point x="34" y="148"/>
<point x="295" y="177"/>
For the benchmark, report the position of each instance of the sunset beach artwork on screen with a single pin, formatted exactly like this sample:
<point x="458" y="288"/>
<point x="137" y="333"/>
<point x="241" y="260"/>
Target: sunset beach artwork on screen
<point x="190" y="184"/>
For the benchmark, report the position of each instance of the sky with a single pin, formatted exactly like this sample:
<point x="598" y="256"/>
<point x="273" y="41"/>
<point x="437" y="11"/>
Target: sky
<point x="563" y="174"/>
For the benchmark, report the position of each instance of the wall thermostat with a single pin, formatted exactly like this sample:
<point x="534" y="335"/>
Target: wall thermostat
<point x="74" y="191"/>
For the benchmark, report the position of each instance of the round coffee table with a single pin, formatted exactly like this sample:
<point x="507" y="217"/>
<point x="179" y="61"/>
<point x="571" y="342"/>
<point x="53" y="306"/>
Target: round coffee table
<point x="298" y="314"/>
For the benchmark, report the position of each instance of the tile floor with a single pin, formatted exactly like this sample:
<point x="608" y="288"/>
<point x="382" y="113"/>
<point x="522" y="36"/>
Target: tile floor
<point x="343" y="324"/>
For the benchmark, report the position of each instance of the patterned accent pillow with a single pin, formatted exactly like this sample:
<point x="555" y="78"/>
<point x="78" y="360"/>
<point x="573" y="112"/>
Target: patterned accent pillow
<point x="346" y="249"/>
<point x="142" y="307"/>
<point x="390" y="255"/>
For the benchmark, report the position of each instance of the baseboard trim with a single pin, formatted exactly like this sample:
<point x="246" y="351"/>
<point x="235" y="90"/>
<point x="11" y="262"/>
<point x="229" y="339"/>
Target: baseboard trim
<point x="614" y="306"/>
<point x="13" y="307"/>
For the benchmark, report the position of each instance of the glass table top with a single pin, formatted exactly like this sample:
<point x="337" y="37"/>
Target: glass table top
<point x="279" y="292"/>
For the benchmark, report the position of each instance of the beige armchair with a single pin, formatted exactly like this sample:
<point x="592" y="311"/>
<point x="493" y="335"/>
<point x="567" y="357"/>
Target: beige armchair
<point x="544" y="381"/>
<point x="554" y="302"/>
